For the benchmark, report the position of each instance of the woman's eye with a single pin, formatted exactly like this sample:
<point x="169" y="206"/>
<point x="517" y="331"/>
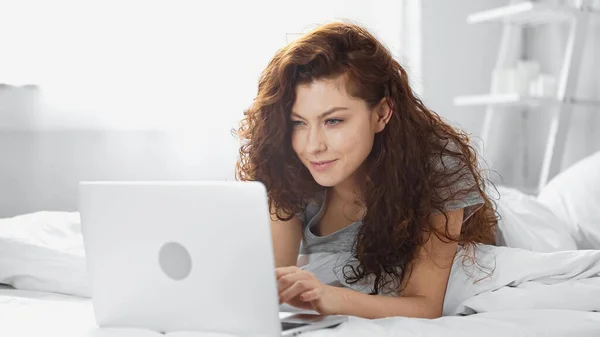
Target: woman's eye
<point x="333" y="122"/>
<point x="296" y="123"/>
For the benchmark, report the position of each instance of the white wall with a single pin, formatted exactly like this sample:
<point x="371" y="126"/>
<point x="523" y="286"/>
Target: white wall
<point x="140" y="92"/>
<point x="146" y="64"/>
<point x="457" y="58"/>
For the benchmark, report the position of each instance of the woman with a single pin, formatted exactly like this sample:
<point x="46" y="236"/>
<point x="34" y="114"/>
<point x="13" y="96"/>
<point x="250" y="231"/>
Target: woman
<point x="354" y="162"/>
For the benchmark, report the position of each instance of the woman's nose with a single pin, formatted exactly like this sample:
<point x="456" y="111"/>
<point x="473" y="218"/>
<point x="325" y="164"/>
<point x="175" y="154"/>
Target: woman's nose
<point x="316" y="141"/>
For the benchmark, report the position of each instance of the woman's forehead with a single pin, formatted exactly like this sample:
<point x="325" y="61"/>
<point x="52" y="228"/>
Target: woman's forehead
<point x="321" y="95"/>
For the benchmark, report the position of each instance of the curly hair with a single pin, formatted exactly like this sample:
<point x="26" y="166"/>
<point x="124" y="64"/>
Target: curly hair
<point x="403" y="184"/>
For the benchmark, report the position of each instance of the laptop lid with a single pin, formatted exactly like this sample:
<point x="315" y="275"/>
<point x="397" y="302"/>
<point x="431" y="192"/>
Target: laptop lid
<point x="173" y="256"/>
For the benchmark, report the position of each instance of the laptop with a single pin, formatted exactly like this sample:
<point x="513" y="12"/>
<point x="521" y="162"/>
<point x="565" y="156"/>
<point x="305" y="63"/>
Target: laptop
<point x="185" y="256"/>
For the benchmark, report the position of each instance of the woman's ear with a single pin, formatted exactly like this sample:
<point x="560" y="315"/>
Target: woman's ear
<point x="383" y="113"/>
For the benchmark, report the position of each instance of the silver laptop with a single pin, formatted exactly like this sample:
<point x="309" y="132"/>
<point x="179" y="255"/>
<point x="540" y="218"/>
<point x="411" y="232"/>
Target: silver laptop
<point x="185" y="256"/>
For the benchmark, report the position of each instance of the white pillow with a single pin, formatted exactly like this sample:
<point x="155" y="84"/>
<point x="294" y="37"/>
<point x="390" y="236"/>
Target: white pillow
<point x="527" y="223"/>
<point x="44" y="251"/>
<point x="574" y="196"/>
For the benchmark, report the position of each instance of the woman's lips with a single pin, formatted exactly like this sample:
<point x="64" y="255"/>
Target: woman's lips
<point x="323" y="165"/>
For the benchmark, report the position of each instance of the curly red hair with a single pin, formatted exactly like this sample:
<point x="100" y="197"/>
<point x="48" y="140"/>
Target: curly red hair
<point x="403" y="183"/>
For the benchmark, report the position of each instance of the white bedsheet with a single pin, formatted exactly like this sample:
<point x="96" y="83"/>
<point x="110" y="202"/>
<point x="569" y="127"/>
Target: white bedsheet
<point x="30" y="313"/>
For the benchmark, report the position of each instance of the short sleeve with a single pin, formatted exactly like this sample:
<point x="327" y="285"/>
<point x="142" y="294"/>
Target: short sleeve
<point x="459" y="189"/>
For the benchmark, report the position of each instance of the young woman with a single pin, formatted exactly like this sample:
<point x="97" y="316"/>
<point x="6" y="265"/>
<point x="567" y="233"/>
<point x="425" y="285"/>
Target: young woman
<point x="354" y="162"/>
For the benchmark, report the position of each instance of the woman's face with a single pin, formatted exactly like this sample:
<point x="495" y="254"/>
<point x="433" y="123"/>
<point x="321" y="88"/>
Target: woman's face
<point x="333" y="133"/>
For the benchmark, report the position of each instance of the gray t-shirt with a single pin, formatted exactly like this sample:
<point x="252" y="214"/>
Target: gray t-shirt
<point x="343" y="239"/>
<point x="339" y="241"/>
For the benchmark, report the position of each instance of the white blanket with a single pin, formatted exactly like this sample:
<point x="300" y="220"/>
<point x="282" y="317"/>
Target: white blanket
<point x="503" y="279"/>
<point x="44" y="251"/>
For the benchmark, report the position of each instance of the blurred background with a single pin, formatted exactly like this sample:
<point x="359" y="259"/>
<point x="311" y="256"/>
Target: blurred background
<point x="132" y="90"/>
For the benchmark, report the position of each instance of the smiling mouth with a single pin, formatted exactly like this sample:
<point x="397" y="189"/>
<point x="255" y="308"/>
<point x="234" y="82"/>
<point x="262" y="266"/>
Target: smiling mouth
<point x="322" y="165"/>
<point x="322" y="162"/>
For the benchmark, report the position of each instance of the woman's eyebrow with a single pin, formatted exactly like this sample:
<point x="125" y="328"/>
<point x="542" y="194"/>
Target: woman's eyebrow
<point x="324" y="114"/>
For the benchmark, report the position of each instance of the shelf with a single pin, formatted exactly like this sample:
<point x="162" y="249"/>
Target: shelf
<point x="525" y="13"/>
<point x="503" y="99"/>
<point x="518" y="100"/>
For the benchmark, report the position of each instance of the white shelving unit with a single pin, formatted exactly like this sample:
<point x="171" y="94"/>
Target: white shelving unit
<point x="504" y="100"/>
<point x="529" y="13"/>
<point x="517" y="100"/>
<point x="518" y="15"/>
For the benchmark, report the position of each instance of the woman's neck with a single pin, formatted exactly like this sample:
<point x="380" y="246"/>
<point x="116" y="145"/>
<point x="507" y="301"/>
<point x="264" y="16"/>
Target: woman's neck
<point x="349" y="191"/>
<point x="347" y="199"/>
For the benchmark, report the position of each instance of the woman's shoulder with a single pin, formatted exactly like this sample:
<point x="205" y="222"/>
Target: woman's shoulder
<point x="460" y="187"/>
<point x="312" y="207"/>
<point x="449" y="153"/>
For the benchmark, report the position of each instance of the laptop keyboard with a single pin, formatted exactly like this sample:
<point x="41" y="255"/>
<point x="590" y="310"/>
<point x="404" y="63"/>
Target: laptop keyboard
<point x="287" y="325"/>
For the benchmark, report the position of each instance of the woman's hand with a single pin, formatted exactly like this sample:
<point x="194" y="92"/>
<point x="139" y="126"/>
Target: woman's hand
<point x="301" y="289"/>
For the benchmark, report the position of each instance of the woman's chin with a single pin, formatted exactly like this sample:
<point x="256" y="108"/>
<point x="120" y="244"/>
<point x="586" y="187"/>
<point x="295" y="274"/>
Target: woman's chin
<point x="325" y="185"/>
<point x="326" y="181"/>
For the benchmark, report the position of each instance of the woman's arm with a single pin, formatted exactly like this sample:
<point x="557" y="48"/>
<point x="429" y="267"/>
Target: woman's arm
<point x="286" y="237"/>
<point x="423" y="294"/>
<point x="425" y="289"/>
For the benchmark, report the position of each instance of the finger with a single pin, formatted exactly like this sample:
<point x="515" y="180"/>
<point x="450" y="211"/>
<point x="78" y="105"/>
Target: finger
<point x="310" y="295"/>
<point x="288" y="280"/>
<point x="291" y="292"/>
<point x="282" y="271"/>
<point x="296" y="289"/>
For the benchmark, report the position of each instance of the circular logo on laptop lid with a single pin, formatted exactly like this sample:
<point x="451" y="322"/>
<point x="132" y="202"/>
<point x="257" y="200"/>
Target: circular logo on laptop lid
<point x="175" y="261"/>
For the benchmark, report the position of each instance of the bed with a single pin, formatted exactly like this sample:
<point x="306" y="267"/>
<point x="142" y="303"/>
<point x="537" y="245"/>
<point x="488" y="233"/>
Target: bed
<point x="547" y="279"/>
<point x="30" y="313"/>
